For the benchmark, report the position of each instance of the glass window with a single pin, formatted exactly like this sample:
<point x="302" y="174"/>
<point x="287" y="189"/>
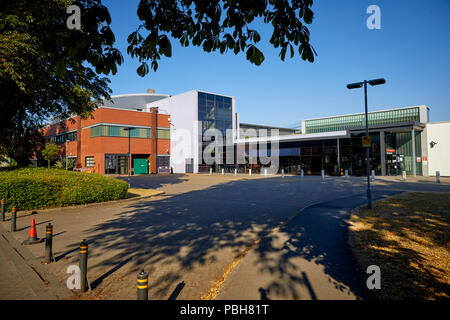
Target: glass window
<point x="89" y="162"/>
<point x="163" y="133"/>
<point x="119" y="131"/>
<point x="96" y="131"/>
<point x="202" y="95"/>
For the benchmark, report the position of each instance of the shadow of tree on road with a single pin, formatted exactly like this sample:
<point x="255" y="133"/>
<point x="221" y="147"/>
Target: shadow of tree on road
<point x="193" y="236"/>
<point x="154" y="181"/>
<point x="319" y="236"/>
<point x="182" y="232"/>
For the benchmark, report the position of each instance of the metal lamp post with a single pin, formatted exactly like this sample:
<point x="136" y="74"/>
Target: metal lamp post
<point x="356" y="86"/>
<point x="129" y="154"/>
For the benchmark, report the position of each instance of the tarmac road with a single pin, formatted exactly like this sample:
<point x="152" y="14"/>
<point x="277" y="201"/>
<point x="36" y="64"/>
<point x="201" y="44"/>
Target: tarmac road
<point x="187" y="238"/>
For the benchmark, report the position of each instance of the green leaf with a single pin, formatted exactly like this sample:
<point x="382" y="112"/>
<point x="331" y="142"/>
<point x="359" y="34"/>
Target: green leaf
<point x="60" y="68"/>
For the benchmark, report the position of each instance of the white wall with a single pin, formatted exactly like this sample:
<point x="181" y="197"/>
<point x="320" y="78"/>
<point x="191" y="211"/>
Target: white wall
<point x="183" y="110"/>
<point x="439" y="155"/>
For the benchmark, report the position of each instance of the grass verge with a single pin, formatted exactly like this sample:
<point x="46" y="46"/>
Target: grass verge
<point x="407" y="236"/>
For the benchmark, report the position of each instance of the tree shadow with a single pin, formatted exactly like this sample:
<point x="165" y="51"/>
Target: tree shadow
<point x="317" y="235"/>
<point x="154" y="181"/>
<point x="401" y="240"/>
<point x="99" y="280"/>
<point x="174" y="235"/>
<point x="177" y="291"/>
<point x="184" y="231"/>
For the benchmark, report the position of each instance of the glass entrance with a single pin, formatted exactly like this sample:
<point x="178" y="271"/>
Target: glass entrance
<point x="116" y="164"/>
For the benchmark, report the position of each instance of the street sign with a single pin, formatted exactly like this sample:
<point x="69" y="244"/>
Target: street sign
<point x="366" y="141"/>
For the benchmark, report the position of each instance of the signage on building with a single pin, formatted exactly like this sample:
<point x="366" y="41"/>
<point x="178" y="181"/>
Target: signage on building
<point x="419" y="159"/>
<point x="390" y="151"/>
<point x="366" y="141"/>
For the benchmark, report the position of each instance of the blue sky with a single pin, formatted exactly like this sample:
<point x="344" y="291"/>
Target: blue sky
<point x="411" y="51"/>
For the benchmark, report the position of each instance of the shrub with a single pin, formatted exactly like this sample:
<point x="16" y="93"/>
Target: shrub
<point x="61" y="164"/>
<point x="34" y="188"/>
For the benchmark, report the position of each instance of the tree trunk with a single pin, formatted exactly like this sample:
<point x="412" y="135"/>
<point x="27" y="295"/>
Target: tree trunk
<point x="48" y="163"/>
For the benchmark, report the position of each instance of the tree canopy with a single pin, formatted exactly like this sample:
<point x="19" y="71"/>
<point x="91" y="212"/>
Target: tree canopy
<point x="48" y="70"/>
<point x="220" y="25"/>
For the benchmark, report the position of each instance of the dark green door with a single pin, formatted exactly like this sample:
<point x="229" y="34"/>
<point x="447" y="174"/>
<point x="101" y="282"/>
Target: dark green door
<point x="140" y="166"/>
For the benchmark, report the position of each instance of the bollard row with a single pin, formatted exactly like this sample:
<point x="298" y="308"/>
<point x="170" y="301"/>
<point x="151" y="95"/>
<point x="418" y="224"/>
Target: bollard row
<point x="142" y="277"/>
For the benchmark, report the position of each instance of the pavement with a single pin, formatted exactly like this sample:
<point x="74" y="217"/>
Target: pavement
<point x="22" y="275"/>
<point x="189" y="236"/>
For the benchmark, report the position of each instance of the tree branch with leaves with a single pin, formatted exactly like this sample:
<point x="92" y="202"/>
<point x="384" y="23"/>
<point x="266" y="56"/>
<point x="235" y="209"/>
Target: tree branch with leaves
<point x="220" y="25"/>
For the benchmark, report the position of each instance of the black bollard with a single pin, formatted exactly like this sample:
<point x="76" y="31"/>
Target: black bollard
<point x="13" y="219"/>
<point x="48" y="243"/>
<point x="142" y="285"/>
<point x="3" y="202"/>
<point x="83" y="265"/>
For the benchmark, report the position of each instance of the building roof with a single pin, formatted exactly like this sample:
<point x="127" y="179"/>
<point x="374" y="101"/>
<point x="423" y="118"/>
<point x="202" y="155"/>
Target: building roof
<point x="132" y="101"/>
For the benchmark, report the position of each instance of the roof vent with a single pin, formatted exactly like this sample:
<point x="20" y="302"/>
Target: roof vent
<point x="150" y="90"/>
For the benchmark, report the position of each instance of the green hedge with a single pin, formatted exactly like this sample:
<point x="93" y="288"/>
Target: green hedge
<point x="34" y="188"/>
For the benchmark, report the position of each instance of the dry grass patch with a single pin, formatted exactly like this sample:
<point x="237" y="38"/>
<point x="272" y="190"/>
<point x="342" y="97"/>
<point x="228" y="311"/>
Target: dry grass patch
<point x="407" y="236"/>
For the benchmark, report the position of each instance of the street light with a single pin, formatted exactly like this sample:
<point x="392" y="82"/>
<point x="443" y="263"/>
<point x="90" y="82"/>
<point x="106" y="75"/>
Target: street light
<point x="357" y="85"/>
<point x="129" y="154"/>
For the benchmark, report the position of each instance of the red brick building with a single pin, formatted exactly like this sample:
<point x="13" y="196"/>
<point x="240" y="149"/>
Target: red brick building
<point x="100" y="144"/>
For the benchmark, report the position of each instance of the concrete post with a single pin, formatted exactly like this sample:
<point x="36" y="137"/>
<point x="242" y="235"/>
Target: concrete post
<point x="404" y="175"/>
<point x="249" y="172"/>
<point x="301" y="173"/>
<point x="265" y="171"/>
<point x="235" y="172"/>
<point x="223" y="172"/>
<point x="210" y="171"/>
<point x="438" y="177"/>
<point x="323" y="174"/>
<point x="346" y="174"/>
<point x="373" y="174"/>
<point x="282" y="173"/>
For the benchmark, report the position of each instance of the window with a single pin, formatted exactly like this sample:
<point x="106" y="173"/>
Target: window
<point x="62" y="138"/>
<point x="358" y="120"/>
<point x="89" y="162"/>
<point x="163" y="134"/>
<point x="119" y="131"/>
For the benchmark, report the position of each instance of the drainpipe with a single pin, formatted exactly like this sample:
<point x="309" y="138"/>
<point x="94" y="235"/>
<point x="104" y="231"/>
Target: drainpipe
<point x="154" y="151"/>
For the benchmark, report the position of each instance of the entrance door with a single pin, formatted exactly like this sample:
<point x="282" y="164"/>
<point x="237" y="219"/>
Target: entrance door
<point x="189" y="165"/>
<point x="116" y="164"/>
<point x="140" y="166"/>
<point x="394" y="164"/>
